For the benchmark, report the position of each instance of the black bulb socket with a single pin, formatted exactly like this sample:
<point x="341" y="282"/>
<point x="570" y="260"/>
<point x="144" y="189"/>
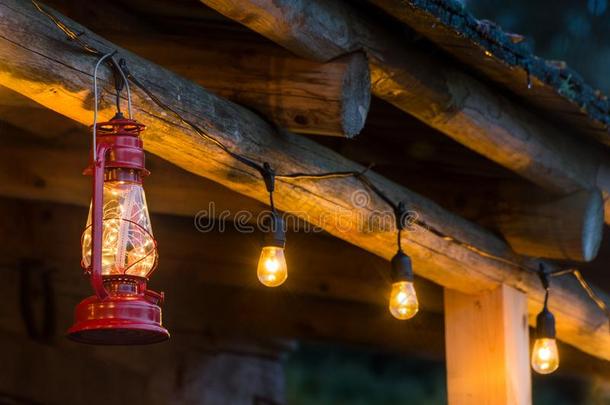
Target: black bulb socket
<point x="545" y="325"/>
<point x="402" y="269"/>
<point x="275" y="235"/>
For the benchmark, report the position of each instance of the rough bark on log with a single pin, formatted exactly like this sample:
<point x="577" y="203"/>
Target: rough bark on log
<point x="309" y="97"/>
<point x="569" y="228"/>
<point x="38" y="62"/>
<point x="330" y="98"/>
<point x="425" y="86"/>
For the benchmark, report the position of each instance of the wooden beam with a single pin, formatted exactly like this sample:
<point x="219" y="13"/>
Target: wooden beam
<point x="57" y="74"/>
<point x="567" y="228"/>
<point x="487" y="348"/>
<point x="425" y="86"/>
<point x="303" y="96"/>
<point x="533" y="222"/>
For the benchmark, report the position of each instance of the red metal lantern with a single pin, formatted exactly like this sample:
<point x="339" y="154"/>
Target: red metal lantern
<point x="118" y="247"/>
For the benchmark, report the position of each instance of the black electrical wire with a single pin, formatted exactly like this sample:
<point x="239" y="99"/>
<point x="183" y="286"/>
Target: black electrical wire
<point x="263" y="170"/>
<point x="586" y="287"/>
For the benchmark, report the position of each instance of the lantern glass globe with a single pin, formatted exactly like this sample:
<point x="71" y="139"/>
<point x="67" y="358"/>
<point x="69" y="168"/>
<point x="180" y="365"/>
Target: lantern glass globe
<point x="128" y="245"/>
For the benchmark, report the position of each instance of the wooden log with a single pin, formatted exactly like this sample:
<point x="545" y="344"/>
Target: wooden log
<point x="569" y="228"/>
<point x="425" y="86"/>
<point x="303" y="96"/>
<point x="58" y="75"/>
<point x="487" y="348"/>
<point x="534" y="223"/>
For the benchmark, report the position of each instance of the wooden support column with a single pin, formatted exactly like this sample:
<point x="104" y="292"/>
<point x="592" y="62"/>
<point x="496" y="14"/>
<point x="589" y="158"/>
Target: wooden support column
<point x="487" y="348"/>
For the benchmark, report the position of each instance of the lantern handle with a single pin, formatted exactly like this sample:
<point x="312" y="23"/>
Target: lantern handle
<point x="97" y="209"/>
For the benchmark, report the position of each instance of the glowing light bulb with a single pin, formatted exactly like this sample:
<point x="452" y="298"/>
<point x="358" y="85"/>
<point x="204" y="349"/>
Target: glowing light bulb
<point x="403" y="300"/>
<point x="272" y="270"/>
<point x="545" y="358"/>
<point x="128" y="246"/>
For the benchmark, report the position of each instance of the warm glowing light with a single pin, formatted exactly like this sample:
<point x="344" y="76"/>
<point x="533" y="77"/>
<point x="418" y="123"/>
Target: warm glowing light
<point x="272" y="270"/>
<point x="403" y="300"/>
<point x="128" y="246"/>
<point x="545" y="358"/>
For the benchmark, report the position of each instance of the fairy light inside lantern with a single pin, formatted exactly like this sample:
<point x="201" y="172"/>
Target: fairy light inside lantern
<point x="119" y="251"/>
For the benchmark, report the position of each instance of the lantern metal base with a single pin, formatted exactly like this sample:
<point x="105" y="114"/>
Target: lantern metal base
<point x="118" y="320"/>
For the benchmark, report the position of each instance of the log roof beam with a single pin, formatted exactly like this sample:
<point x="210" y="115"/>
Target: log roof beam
<point x="426" y="86"/>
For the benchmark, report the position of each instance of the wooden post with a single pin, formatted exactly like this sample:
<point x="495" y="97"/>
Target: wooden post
<point x="487" y="347"/>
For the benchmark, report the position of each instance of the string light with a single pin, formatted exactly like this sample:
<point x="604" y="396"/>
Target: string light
<point x="403" y="299"/>
<point x="272" y="270"/>
<point x="403" y="302"/>
<point x="400" y="263"/>
<point x="545" y="357"/>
